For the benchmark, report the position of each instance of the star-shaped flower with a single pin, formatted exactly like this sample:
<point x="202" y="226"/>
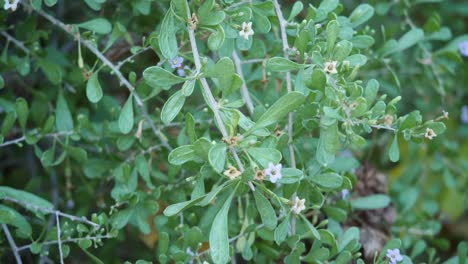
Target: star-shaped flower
<point x="11" y="5"/>
<point x="330" y="67"/>
<point x="463" y="48"/>
<point x="430" y="134"/>
<point x="394" y="255"/>
<point x="232" y="173"/>
<point x="298" y="205"/>
<point x="246" y="30"/>
<point x="176" y="62"/>
<point x="274" y="172"/>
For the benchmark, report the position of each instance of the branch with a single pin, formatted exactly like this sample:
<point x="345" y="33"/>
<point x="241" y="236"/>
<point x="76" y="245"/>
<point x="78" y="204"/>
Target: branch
<point x="15" y="41"/>
<point x="113" y="68"/>
<point x="23" y="138"/>
<point x="59" y="241"/>
<point x="82" y="219"/>
<point x="244" y="91"/>
<point x="284" y="39"/>
<point x="13" y="246"/>
<point x="206" y="89"/>
<point x="74" y="240"/>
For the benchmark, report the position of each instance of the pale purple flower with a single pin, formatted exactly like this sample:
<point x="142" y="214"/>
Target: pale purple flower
<point x="394" y="255"/>
<point x="274" y="172"/>
<point x="176" y="62"/>
<point x="344" y="193"/>
<point x="181" y="72"/>
<point x="464" y="114"/>
<point x="463" y="48"/>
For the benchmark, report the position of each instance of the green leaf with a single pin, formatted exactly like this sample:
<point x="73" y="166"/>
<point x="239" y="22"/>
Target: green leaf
<point x="394" y="153"/>
<point x="290" y="175"/>
<point x="126" y="116"/>
<point x="280" y="64"/>
<point x="342" y="50"/>
<point x="328" y="180"/>
<point x="168" y="37"/>
<point x="267" y="213"/>
<point x="361" y="14"/>
<point x="409" y="39"/>
<point x="216" y="39"/>
<point x="11" y="217"/>
<point x="296" y="9"/>
<point x="318" y="80"/>
<point x="219" y="237"/>
<point x="2" y="82"/>
<point x="371" y="202"/>
<point x="63" y="121"/>
<point x="282" y="231"/>
<point x="362" y="41"/>
<point x="172" y="107"/>
<point x="98" y="25"/>
<point x="183" y="154"/>
<point x="93" y="89"/>
<point x="333" y="30"/>
<point x="265" y="155"/>
<point x="311" y="227"/>
<point x="28" y="200"/>
<point x="279" y="109"/>
<point x="188" y="87"/>
<point x="328" y="5"/>
<point x="22" y="111"/>
<point x="174" y="209"/>
<point x="158" y="77"/>
<point x="50" y="2"/>
<point x="217" y="157"/>
<point x="356" y="60"/>
<point x="328" y="143"/>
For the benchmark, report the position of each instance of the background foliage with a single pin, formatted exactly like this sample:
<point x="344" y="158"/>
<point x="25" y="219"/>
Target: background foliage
<point x="134" y="131"/>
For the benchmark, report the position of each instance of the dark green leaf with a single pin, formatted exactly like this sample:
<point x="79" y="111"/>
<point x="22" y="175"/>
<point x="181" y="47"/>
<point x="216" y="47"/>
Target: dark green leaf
<point x="172" y="107"/>
<point x="267" y="213"/>
<point x="126" y="116"/>
<point x="158" y="77"/>
<point x="98" y="25"/>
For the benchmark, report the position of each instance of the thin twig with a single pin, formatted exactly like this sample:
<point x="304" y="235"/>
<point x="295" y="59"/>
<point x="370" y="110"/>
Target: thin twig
<point x="113" y="68"/>
<point x="23" y="138"/>
<point x="13" y="246"/>
<point x="63" y="241"/>
<point x="82" y="219"/>
<point x="244" y="91"/>
<point x="59" y="240"/>
<point x="15" y="41"/>
<point x="129" y="58"/>
<point x="209" y="96"/>
<point x="252" y="61"/>
<point x="284" y="38"/>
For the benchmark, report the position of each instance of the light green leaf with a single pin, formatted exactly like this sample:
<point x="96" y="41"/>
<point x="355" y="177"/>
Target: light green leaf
<point x="267" y="213"/>
<point x="280" y="64"/>
<point x="333" y="30"/>
<point x="183" y="154"/>
<point x="328" y="180"/>
<point x="11" y="217"/>
<point x="342" y="50"/>
<point x="217" y="157"/>
<point x="318" y="80"/>
<point x="265" y="155"/>
<point x="168" y="37"/>
<point x="63" y="121"/>
<point x="409" y="39"/>
<point x="28" y="200"/>
<point x="282" y="231"/>
<point x="328" y="5"/>
<point x="296" y="9"/>
<point x="172" y="107"/>
<point x="158" y="77"/>
<point x="22" y="111"/>
<point x="50" y="2"/>
<point x="394" y="153"/>
<point x="174" y="209"/>
<point x="126" y="116"/>
<point x="290" y="175"/>
<point x="311" y="227"/>
<point x="361" y="14"/>
<point x="98" y="25"/>
<point x="371" y="202"/>
<point x="219" y="237"/>
<point x="279" y="109"/>
<point x="216" y="39"/>
<point x="93" y="89"/>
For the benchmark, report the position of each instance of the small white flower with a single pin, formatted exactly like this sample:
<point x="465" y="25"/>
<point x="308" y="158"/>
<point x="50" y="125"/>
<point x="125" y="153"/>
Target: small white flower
<point x="246" y="30"/>
<point x="330" y="67"/>
<point x="430" y="134"/>
<point x="298" y="205"/>
<point x="10" y="5"/>
<point x="274" y="172"/>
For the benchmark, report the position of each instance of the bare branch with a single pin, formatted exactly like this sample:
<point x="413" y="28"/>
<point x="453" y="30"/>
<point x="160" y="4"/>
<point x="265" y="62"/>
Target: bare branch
<point x="12" y="243"/>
